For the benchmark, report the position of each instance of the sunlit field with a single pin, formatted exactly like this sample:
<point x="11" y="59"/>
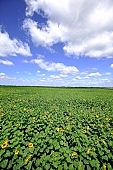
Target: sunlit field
<point x="45" y="128"/>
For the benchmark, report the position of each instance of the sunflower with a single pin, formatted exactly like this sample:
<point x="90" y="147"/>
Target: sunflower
<point x="4" y="145"/>
<point x="74" y="154"/>
<point x="107" y="119"/>
<point x="28" y="159"/>
<point x="25" y="109"/>
<point x="16" y="152"/>
<point x="104" y="167"/>
<point x="84" y="131"/>
<point x="101" y="125"/>
<point x="1" y="114"/>
<point x="30" y="145"/>
<point x="58" y="129"/>
<point x="68" y="127"/>
<point x="51" y="121"/>
<point x="88" y="151"/>
<point x="103" y="142"/>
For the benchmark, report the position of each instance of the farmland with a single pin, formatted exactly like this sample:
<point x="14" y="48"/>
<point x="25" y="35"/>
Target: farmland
<point x="47" y="128"/>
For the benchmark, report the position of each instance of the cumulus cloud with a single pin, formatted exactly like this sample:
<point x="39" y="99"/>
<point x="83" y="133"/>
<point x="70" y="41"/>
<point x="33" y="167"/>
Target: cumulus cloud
<point x="6" y="62"/>
<point x="12" y="47"/>
<point x="28" y="72"/>
<point x="107" y="74"/>
<point x="54" y="77"/>
<point x="84" y="27"/>
<point x="52" y="66"/>
<point x="2" y="75"/>
<point x="58" y="77"/>
<point x="111" y="66"/>
<point x="96" y="74"/>
<point x="47" y="36"/>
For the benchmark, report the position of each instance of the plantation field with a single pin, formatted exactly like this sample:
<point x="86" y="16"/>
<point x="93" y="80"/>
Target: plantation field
<point x="56" y="128"/>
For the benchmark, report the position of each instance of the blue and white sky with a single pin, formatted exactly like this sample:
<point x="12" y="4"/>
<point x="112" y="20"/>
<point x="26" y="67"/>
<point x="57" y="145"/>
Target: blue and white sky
<point x="56" y="43"/>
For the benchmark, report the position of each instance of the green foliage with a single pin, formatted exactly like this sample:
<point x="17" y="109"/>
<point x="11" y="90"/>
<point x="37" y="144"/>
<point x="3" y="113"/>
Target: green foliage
<point x="56" y="128"/>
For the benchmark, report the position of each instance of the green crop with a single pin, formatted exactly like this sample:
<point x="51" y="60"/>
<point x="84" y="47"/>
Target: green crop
<point x="56" y="128"/>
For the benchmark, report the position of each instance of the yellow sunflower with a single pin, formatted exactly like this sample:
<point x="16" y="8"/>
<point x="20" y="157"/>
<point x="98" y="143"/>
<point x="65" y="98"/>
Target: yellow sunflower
<point x="4" y="145"/>
<point x="58" y="129"/>
<point x="30" y="145"/>
<point x="84" y="131"/>
<point x="104" y="167"/>
<point x="16" y="152"/>
<point x="88" y="151"/>
<point x="74" y="154"/>
<point x="28" y="158"/>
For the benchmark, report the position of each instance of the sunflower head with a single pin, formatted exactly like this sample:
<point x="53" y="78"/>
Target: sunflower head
<point x="28" y="159"/>
<point x="74" y="154"/>
<point x="4" y="145"/>
<point x="30" y="145"/>
<point x="88" y="151"/>
<point x="58" y="129"/>
<point x="84" y="131"/>
<point x="16" y="152"/>
<point x="104" y="167"/>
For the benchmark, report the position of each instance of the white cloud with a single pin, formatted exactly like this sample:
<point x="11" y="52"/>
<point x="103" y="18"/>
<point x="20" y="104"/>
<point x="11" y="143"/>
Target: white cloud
<point x="107" y="74"/>
<point x="42" y="80"/>
<point x="78" y="77"/>
<point x="40" y="75"/>
<point x="28" y="72"/>
<point x="63" y="75"/>
<point x="85" y="27"/>
<point x="52" y="66"/>
<point x="6" y="62"/>
<point x="12" y="47"/>
<point x="96" y="74"/>
<point x="46" y="37"/>
<point x="111" y="66"/>
<point x="106" y="79"/>
<point x="54" y="77"/>
<point x="2" y="75"/>
<point x="25" y="61"/>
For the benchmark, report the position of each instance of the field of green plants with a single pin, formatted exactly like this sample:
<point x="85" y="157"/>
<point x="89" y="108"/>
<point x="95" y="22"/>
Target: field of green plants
<point x="43" y="128"/>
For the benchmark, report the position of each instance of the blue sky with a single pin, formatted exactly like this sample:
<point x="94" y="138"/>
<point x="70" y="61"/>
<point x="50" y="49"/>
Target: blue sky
<point x="56" y="43"/>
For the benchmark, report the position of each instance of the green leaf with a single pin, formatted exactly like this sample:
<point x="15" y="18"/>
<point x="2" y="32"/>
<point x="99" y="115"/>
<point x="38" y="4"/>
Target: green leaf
<point x="20" y="164"/>
<point x="38" y="162"/>
<point x="47" y="166"/>
<point x="65" y="166"/>
<point x="88" y="167"/>
<point x="105" y="157"/>
<point x="61" y="142"/>
<point x="94" y="163"/>
<point x="31" y="150"/>
<point x="8" y="153"/>
<point x="15" y="167"/>
<point x="86" y="162"/>
<point x="29" y="165"/>
<point x="71" y="167"/>
<point x="68" y="159"/>
<point x="2" y="152"/>
<point x="3" y="164"/>
<point x="55" y="164"/>
<point x="109" y="166"/>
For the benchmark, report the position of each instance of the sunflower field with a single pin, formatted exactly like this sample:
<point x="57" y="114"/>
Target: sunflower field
<point x="47" y="128"/>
